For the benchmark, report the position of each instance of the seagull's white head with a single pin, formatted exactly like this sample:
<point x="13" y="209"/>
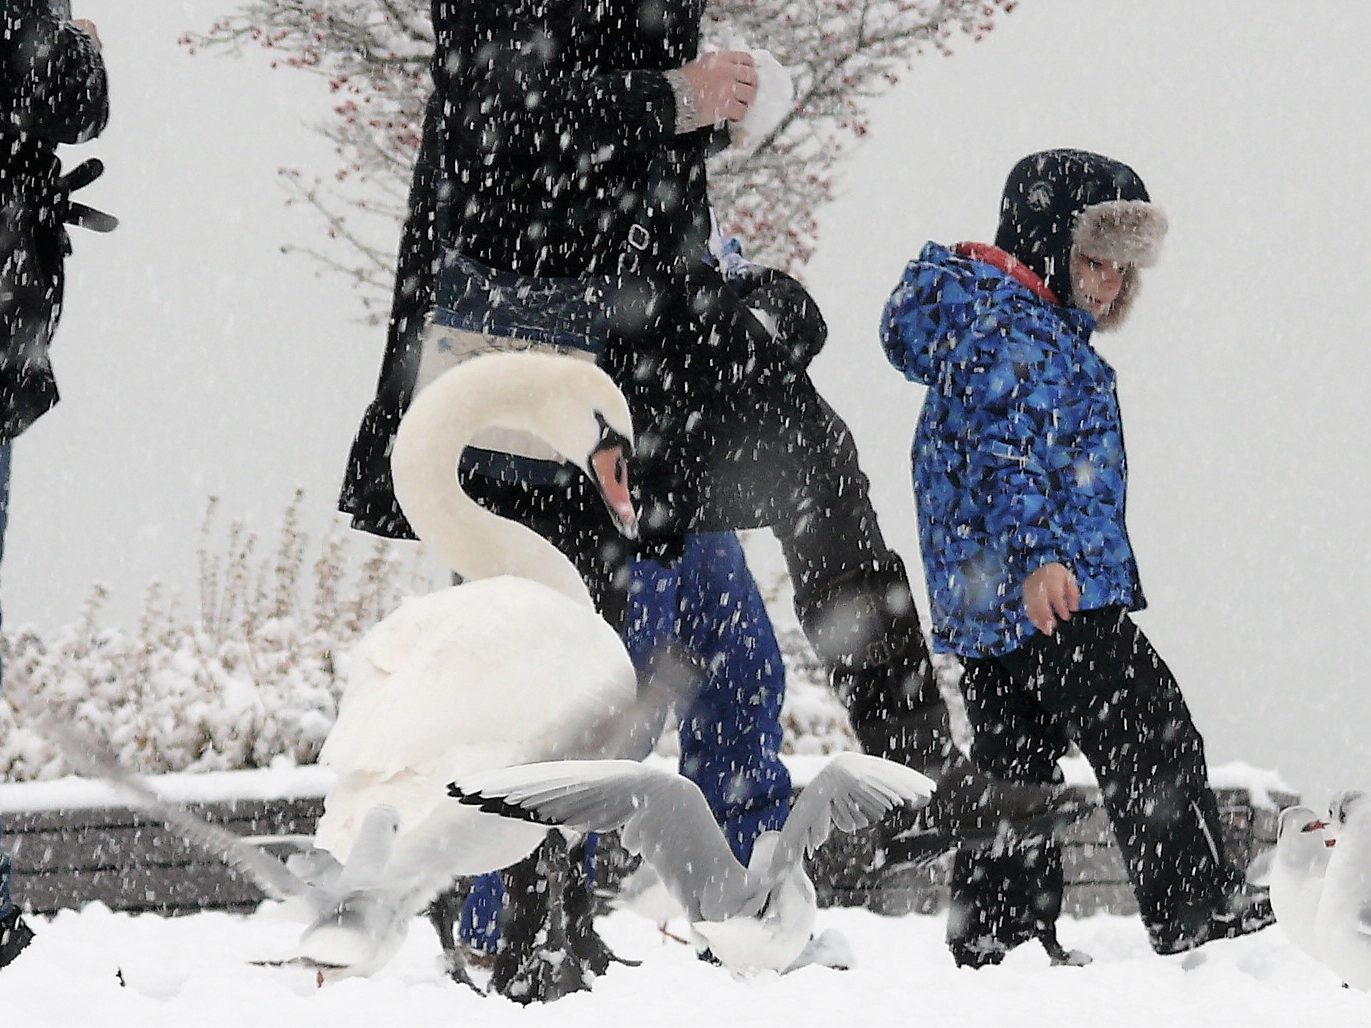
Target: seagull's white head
<point x="1302" y="839"/>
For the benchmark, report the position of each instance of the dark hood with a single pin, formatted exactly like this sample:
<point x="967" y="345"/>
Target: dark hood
<point x="1042" y="198"/>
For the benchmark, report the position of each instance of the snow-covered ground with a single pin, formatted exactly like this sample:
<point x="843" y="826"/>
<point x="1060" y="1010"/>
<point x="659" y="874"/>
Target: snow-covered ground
<point x="196" y="970"/>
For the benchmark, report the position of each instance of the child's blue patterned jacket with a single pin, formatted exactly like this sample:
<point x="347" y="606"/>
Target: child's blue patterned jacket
<point x="1019" y="455"/>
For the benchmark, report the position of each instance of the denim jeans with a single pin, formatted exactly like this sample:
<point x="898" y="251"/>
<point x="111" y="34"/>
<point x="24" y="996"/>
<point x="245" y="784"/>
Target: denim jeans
<point x="6" y="904"/>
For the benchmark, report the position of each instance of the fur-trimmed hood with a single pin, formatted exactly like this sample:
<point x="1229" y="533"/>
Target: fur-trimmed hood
<point x="1060" y="200"/>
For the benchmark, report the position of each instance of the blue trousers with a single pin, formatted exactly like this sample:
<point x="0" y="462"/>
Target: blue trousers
<point x="708" y="605"/>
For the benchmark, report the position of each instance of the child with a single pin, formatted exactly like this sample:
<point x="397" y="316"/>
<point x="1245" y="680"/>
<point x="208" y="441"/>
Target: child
<point x="1020" y="480"/>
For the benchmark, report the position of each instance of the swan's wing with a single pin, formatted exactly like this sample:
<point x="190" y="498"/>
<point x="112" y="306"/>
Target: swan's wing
<point x="852" y="791"/>
<point x="495" y="672"/>
<point x="662" y="816"/>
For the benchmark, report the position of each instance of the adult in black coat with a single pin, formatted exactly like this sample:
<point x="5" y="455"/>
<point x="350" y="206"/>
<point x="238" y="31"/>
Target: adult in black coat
<point x="52" y="90"/>
<point x="568" y="139"/>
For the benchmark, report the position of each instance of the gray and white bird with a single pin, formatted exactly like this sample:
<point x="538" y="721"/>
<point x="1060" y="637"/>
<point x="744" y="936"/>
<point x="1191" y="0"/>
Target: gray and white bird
<point x="1343" y="922"/>
<point x="754" y="918"/>
<point x="1297" y="874"/>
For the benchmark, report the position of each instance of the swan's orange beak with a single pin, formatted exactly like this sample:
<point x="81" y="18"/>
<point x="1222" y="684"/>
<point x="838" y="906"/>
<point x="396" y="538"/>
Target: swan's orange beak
<point x="610" y="466"/>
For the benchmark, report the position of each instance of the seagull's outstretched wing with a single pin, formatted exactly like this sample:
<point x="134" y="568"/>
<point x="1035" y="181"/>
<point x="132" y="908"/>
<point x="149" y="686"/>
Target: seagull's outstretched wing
<point x="852" y="791"/>
<point x="662" y="816"/>
<point x="95" y="758"/>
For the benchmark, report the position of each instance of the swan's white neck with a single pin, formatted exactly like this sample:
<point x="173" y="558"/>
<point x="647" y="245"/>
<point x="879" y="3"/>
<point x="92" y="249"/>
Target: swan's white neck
<point x="440" y="423"/>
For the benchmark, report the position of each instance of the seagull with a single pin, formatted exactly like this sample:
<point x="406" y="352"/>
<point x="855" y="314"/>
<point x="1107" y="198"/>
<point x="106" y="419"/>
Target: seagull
<point x="751" y="919"/>
<point x="351" y="930"/>
<point x="1343" y="922"/>
<point x="1303" y="847"/>
<point x="1338" y="807"/>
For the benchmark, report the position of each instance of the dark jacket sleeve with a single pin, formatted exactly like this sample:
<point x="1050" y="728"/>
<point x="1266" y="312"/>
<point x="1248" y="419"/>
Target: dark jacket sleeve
<point x="522" y="97"/>
<point x="799" y="324"/>
<point x="52" y="77"/>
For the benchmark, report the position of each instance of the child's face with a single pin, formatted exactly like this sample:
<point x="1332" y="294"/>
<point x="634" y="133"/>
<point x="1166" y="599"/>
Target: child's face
<point x="1095" y="284"/>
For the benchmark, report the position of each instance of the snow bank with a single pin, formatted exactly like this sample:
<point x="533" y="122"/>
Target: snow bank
<point x="94" y="967"/>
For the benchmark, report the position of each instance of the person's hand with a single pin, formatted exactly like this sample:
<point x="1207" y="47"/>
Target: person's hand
<point x="1051" y="594"/>
<point x="725" y="84"/>
<point x="88" y="27"/>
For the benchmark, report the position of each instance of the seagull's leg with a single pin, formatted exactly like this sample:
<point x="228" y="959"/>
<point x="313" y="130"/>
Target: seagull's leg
<point x="586" y="944"/>
<point x="443" y="914"/>
<point x="533" y="961"/>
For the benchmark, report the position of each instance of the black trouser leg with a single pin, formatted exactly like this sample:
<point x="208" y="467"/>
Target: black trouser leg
<point x="1005" y="893"/>
<point x="1102" y="678"/>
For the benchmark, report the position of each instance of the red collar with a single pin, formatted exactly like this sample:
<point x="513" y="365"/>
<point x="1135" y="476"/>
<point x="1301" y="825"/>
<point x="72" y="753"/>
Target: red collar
<point x="1010" y="265"/>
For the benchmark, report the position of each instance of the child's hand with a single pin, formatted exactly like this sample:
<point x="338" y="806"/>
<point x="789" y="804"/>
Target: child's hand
<point x="1051" y="594"/>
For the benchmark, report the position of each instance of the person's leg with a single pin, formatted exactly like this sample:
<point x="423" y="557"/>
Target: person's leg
<point x="569" y="514"/>
<point x="1128" y="716"/>
<point x="14" y="933"/>
<point x="730" y="731"/>
<point x="733" y="437"/>
<point x="479" y="925"/>
<point x="1007" y="892"/>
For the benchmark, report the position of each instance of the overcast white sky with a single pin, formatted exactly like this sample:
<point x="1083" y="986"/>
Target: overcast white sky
<point x="196" y="359"/>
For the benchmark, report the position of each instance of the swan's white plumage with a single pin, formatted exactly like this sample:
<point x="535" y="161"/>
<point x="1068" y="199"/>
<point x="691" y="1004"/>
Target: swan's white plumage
<point x="512" y="666"/>
<point x="560" y="665"/>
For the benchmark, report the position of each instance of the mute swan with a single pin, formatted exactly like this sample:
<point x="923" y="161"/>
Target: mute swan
<point x="752" y="918"/>
<point x="512" y="666"/>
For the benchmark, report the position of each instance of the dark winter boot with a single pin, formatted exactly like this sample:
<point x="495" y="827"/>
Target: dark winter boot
<point x="968" y="806"/>
<point x="1246" y="911"/>
<point x="14" y="936"/>
<point x="534" y="962"/>
<point x="587" y="945"/>
<point x="865" y="626"/>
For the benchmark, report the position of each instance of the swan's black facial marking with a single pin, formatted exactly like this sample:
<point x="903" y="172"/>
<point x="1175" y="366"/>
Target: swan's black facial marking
<point x="608" y="468"/>
<point x="610" y="436"/>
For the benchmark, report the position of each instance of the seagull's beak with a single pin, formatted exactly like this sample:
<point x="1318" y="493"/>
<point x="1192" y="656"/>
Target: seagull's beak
<point x="1315" y="826"/>
<point x="609" y="465"/>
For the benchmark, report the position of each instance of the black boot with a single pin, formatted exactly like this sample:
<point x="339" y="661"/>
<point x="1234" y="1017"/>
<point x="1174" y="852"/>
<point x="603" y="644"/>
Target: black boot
<point x="865" y="627"/>
<point x="968" y="806"/>
<point x="534" y="962"/>
<point x="1241" y="913"/>
<point x="14" y="936"/>
<point x="587" y="945"/>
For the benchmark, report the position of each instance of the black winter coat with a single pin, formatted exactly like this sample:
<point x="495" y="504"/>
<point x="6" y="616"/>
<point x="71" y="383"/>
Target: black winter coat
<point x="52" y="90"/>
<point x="549" y="140"/>
<point x="549" y="135"/>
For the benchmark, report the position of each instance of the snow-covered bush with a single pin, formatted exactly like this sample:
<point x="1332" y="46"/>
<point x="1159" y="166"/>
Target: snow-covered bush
<point x="254" y="677"/>
<point x="257" y="675"/>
